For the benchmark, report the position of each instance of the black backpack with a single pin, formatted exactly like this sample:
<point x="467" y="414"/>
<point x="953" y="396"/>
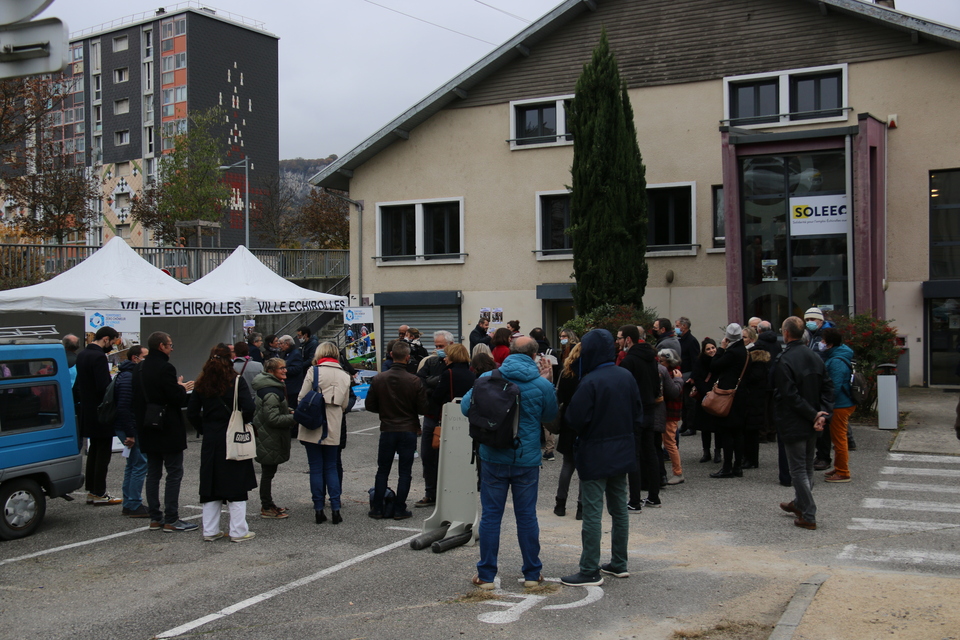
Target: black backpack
<point x="494" y="413"/>
<point x="107" y="411"/>
<point x="858" y="386"/>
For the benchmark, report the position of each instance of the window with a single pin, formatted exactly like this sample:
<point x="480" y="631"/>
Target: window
<point x="166" y="63"/>
<point x="180" y="94"/>
<point x="148" y="43"/>
<point x="123" y="169"/>
<point x="123" y="230"/>
<point x="719" y="228"/>
<point x="148" y="140"/>
<point x="148" y="108"/>
<point x="121" y="106"/>
<point x="167" y="96"/>
<point x="539" y="122"/>
<point x="120" y="43"/>
<point x="121" y="75"/>
<point x="817" y="94"/>
<point x="180" y="60"/>
<point x="77" y="53"/>
<point x="553" y="220"/>
<point x="166" y="30"/>
<point x="427" y="231"/>
<point x="166" y="45"/>
<point x="168" y="111"/>
<point x="945" y="225"/>
<point x="150" y="169"/>
<point x="121" y="137"/>
<point x="147" y="77"/>
<point x="95" y="55"/>
<point x="30" y="406"/>
<point x="97" y="87"/>
<point x="181" y="25"/>
<point x="167" y="78"/>
<point x="670" y="217"/>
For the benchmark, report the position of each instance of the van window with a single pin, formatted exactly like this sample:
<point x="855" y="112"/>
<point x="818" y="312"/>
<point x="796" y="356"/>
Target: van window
<point x="27" y="368"/>
<point x="30" y="407"/>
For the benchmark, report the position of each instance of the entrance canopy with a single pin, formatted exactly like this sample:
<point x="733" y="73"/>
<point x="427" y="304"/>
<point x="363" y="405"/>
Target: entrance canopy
<point x="246" y="281"/>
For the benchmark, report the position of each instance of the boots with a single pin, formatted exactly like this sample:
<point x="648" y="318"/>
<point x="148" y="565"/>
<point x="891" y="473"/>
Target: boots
<point x="706" y="456"/>
<point x="717" y="459"/>
<point x="336" y="519"/>
<point x="561" y="508"/>
<point x="321" y="516"/>
<point x="579" y="511"/>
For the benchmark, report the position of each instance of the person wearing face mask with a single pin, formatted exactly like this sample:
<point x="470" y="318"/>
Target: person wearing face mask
<point x="568" y="340"/>
<point x="728" y="367"/>
<point x="689" y="352"/>
<point x="429" y="371"/>
<point x="815" y="324"/>
<point x="666" y="335"/>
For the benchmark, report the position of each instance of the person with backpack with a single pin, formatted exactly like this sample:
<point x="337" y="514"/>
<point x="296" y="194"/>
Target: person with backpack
<point x="515" y="468"/>
<point x="125" y="427"/>
<point x="274" y="422"/>
<point x="839" y="363"/>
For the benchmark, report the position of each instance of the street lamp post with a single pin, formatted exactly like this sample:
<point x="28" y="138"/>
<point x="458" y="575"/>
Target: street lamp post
<point x="246" y="195"/>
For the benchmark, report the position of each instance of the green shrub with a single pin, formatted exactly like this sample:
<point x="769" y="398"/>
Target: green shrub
<point x="612" y="317"/>
<point x="874" y="342"/>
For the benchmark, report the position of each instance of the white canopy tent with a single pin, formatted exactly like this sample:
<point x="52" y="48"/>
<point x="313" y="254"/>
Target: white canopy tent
<point x="116" y="278"/>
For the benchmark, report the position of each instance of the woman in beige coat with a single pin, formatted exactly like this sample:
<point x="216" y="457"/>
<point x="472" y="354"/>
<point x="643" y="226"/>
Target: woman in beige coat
<point x="334" y="383"/>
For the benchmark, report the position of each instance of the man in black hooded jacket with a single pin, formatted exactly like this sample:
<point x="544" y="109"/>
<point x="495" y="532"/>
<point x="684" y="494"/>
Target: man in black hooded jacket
<point x="641" y="362"/>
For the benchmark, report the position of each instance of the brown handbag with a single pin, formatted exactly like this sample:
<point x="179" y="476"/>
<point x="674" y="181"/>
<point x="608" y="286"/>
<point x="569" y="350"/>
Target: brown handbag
<point x="718" y="402"/>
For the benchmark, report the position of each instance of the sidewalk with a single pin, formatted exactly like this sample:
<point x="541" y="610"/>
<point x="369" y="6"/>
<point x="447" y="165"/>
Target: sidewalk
<point x="928" y="426"/>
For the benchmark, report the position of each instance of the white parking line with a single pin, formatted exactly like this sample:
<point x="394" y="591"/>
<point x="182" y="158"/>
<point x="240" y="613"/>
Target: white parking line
<point x="363" y="430"/>
<point x="911" y="486"/>
<point x="910" y="505"/>
<point x="901" y="556"/>
<point x="908" y="471"/>
<point x="898" y="526"/>
<point x="266" y="595"/>
<point x="914" y="457"/>
<point x="84" y="543"/>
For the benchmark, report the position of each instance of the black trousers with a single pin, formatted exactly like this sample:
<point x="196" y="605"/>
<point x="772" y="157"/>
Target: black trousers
<point x="648" y="474"/>
<point x="99" y="451"/>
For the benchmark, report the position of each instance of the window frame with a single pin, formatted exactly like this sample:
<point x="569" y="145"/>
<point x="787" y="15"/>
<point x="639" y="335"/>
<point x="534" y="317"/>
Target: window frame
<point x="541" y="256"/>
<point x="121" y="106"/>
<point x="417" y="258"/>
<point x="121" y="43"/>
<point x="121" y="137"/>
<point x="121" y="74"/>
<point x="719" y="243"/>
<point x="652" y="252"/>
<point x="785" y="84"/>
<point x="563" y="137"/>
<point x="933" y="205"/>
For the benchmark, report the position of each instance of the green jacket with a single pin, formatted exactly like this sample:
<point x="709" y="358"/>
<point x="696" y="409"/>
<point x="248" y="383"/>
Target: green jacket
<point x="272" y="420"/>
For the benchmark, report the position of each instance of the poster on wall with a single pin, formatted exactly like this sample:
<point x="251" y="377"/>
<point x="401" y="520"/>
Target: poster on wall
<point x="485" y="313"/>
<point x="818" y="215"/>
<point x="769" y="270"/>
<point x="361" y="349"/>
<point x="496" y="315"/>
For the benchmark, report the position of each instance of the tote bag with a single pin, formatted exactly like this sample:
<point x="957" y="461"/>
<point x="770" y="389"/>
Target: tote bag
<point x="241" y="443"/>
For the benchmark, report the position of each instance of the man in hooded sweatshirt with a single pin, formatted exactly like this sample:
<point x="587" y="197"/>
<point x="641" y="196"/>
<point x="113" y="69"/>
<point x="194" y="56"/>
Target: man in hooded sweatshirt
<point x="605" y="411"/>
<point x="516" y="470"/>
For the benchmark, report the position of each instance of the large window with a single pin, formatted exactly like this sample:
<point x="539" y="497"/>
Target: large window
<point x="719" y="219"/>
<point x="945" y="225"/>
<point x="539" y="122"/>
<point x="786" y="97"/>
<point x="670" y="217"/>
<point x="425" y="231"/>
<point x="553" y="220"/>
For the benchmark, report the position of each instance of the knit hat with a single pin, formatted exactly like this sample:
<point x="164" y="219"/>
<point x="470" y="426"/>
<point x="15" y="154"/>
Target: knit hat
<point x="813" y="313"/>
<point x="733" y="332"/>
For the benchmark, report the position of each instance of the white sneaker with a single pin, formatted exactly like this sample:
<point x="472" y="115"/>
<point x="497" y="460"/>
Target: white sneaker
<point x="250" y="535"/>
<point x="676" y="479"/>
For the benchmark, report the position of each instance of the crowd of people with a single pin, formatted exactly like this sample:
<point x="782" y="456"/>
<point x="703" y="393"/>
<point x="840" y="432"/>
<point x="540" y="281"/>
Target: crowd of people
<point x="618" y="407"/>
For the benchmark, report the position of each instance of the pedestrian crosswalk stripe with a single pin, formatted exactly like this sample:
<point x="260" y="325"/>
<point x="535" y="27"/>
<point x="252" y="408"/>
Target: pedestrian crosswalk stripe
<point x="898" y="526"/>
<point x="910" y="505"/>
<point x="915" y="457"/>
<point x="912" y="486"/>
<point x="908" y="471"/>
<point x="902" y="556"/>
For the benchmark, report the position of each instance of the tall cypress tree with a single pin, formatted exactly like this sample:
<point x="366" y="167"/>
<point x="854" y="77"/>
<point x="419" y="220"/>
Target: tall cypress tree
<point x="608" y="210"/>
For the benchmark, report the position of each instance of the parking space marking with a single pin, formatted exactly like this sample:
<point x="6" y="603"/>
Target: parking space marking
<point x="363" y="430"/>
<point x="84" y="543"/>
<point x="914" y="457"/>
<point x="513" y="610"/>
<point x="266" y="595"/>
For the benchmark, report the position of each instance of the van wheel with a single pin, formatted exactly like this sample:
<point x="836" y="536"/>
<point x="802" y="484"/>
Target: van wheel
<point x="24" y="504"/>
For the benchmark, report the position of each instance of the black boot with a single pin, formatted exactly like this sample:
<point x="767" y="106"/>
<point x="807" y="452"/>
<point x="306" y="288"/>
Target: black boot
<point x="716" y="456"/>
<point x="321" y="516"/>
<point x="561" y="508"/>
<point x="706" y="456"/>
<point x="737" y="471"/>
<point x="579" y="511"/>
<point x="336" y="519"/>
<point x="724" y="472"/>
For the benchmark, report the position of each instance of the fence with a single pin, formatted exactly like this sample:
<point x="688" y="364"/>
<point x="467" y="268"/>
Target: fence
<point x="31" y="263"/>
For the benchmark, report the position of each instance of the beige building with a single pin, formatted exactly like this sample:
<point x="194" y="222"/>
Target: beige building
<point x="797" y="153"/>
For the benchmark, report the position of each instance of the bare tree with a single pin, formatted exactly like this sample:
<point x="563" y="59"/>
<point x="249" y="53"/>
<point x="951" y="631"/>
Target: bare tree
<point x="325" y="220"/>
<point x="278" y="213"/>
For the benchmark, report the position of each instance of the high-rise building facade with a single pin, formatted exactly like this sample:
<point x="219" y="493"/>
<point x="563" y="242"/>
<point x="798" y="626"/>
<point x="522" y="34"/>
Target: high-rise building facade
<point x="133" y="83"/>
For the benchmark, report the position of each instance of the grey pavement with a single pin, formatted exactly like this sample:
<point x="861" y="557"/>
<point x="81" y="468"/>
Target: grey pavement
<point x="927" y="426"/>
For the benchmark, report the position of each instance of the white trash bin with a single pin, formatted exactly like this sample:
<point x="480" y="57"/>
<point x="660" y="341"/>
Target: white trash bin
<point x="888" y="401"/>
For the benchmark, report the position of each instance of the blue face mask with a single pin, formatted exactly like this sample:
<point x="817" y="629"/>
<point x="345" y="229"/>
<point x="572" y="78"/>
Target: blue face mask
<point x="677" y="330"/>
<point x="441" y="354"/>
<point x="564" y="341"/>
<point x="812" y="325"/>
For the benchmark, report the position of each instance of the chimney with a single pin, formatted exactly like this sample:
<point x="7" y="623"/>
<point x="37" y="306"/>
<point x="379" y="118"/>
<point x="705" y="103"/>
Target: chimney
<point x="889" y="4"/>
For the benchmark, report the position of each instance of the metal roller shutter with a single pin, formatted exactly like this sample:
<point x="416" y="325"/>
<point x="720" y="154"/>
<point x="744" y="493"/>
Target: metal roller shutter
<point x="427" y="319"/>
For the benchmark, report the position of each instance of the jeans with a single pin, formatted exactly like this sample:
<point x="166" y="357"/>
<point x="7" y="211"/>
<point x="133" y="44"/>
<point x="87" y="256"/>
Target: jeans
<point x="800" y="457"/>
<point x="156" y="462"/>
<point x="430" y="458"/>
<point x="99" y="451"/>
<point x="566" y="473"/>
<point x="133" y="476"/>
<point x="324" y="480"/>
<point x="404" y="444"/>
<point x="839" y="429"/>
<point x="615" y="489"/>
<point x="522" y="482"/>
<point x="267" y="473"/>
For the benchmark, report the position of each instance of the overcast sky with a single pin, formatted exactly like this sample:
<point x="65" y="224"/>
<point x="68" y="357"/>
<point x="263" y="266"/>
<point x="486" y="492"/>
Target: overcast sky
<point x="348" y="67"/>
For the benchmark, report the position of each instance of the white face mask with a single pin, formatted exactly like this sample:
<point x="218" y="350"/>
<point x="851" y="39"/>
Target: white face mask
<point x="564" y="341"/>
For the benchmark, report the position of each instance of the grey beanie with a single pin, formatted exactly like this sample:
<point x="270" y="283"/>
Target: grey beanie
<point x="733" y="332"/>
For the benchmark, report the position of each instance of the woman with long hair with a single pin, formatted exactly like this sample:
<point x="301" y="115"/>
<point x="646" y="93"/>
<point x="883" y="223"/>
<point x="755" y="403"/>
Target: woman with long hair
<point x="566" y="387"/>
<point x="702" y="383"/>
<point x="500" y="345"/>
<point x="481" y="360"/>
<point x="221" y="480"/>
<point x="727" y="368"/>
<point x="322" y="449"/>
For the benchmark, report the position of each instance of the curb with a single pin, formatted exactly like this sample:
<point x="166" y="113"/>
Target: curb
<point x="793" y="616"/>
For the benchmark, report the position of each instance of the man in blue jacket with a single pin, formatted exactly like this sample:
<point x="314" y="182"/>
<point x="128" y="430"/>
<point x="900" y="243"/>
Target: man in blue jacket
<point x="517" y="470"/>
<point x="604" y="412"/>
<point x="125" y="427"/>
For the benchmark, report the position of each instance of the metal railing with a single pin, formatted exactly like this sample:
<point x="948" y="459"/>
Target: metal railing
<point x="40" y="262"/>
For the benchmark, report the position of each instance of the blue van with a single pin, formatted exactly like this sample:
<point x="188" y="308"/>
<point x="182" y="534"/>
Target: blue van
<point x="39" y="442"/>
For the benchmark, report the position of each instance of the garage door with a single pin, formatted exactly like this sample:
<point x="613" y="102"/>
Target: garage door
<point x="426" y="319"/>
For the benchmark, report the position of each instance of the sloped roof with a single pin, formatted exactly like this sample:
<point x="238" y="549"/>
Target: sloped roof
<point x="337" y="174"/>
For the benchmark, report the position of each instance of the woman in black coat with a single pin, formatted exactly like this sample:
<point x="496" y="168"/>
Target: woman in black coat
<point x="726" y="369"/>
<point x="756" y="386"/>
<point x="702" y="382"/>
<point x="566" y="387"/>
<point x="221" y="480"/>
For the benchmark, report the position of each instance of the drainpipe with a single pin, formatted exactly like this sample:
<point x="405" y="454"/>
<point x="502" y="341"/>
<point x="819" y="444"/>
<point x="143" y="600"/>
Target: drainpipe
<point x="359" y="205"/>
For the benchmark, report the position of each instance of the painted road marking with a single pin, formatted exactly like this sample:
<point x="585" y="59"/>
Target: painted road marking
<point x="914" y="457"/>
<point x="84" y="543"/>
<point x="910" y="505"/>
<point x="908" y="471"/>
<point x="898" y="526"/>
<point x="266" y="595"/>
<point x="363" y="430"/>
<point x="901" y="556"/>
<point x="910" y="486"/>
<point x="529" y="601"/>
